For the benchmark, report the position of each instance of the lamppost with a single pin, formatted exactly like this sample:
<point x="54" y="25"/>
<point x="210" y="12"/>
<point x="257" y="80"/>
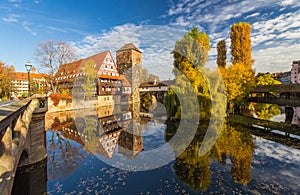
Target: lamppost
<point x="28" y="67"/>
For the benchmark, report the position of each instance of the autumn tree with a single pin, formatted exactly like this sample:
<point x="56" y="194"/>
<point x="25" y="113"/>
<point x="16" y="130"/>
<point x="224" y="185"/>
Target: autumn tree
<point x="265" y="79"/>
<point x="221" y="49"/>
<point x="241" y="44"/>
<point x="50" y="55"/>
<point x="265" y="111"/>
<point x="200" y="37"/>
<point x="238" y="80"/>
<point x="89" y="79"/>
<point x="7" y="73"/>
<point x="190" y="55"/>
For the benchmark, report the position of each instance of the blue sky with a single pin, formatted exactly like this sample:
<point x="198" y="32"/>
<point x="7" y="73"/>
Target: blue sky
<point x="152" y="25"/>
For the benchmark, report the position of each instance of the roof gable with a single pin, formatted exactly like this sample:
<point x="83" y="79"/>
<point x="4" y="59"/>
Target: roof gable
<point x="102" y="60"/>
<point x="107" y="67"/>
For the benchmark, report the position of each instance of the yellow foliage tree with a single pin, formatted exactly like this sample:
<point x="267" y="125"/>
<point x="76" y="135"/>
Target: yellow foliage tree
<point x="241" y="44"/>
<point x="238" y="79"/>
<point x="89" y="80"/>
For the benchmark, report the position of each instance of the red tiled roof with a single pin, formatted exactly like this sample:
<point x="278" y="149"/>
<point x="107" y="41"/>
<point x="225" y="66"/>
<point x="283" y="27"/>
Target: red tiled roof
<point x="24" y="76"/>
<point x="72" y="70"/>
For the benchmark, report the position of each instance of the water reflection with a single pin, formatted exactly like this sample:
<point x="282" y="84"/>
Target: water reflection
<point x="235" y="163"/>
<point x="269" y="111"/>
<point x="234" y="144"/>
<point x="264" y="111"/>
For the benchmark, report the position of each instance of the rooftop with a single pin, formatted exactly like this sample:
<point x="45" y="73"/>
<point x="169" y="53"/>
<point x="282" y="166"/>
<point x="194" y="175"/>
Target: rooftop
<point x="129" y="46"/>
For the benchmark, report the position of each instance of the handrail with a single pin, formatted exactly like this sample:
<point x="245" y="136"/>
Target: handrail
<point x="9" y="112"/>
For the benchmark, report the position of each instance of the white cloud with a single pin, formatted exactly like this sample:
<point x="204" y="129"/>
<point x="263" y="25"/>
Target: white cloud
<point x="252" y="15"/>
<point x="15" y="1"/>
<point x="293" y="3"/>
<point x="277" y="151"/>
<point x="276" y="58"/>
<point x="216" y="12"/>
<point x="11" y="18"/>
<point x="26" y="27"/>
<point x="56" y="29"/>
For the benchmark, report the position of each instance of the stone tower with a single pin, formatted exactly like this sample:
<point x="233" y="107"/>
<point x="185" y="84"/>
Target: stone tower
<point x="128" y="56"/>
<point x="129" y="63"/>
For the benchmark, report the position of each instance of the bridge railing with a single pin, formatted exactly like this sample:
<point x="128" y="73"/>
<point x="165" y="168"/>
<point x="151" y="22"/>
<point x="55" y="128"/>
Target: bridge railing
<point x="15" y="121"/>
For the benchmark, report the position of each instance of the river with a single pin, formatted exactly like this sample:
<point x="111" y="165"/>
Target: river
<point x="121" y="157"/>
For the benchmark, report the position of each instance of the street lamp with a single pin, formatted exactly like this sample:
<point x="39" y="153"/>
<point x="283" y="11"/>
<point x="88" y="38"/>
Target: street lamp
<point x="28" y="67"/>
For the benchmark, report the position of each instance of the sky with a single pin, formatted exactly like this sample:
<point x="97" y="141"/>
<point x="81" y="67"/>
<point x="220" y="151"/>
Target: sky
<point x="93" y="26"/>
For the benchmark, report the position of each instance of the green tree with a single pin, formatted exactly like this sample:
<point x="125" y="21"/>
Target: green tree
<point x="221" y="49"/>
<point x="89" y="79"/>
<point x="241" y="44"/>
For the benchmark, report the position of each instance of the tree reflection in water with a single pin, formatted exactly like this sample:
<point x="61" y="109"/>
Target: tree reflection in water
<point x="63" y="154"/>
<point x="233" y="145"/>
<point x="264" y="111"/>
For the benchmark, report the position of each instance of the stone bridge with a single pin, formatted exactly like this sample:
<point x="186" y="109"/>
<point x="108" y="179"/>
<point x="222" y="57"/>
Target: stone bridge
<point x="22" y="135"/>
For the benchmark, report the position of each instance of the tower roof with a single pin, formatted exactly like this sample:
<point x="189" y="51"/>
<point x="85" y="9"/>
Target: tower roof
<point x="129" y="46"/>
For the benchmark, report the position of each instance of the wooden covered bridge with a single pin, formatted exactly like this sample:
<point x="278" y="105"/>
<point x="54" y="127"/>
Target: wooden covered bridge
<point x="282" y="94"/>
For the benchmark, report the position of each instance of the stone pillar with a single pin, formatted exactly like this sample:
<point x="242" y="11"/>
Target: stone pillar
<point x="37" y="131"/>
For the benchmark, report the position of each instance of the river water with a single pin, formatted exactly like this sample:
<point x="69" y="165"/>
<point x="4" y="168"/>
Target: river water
<point x="118" y="162"/>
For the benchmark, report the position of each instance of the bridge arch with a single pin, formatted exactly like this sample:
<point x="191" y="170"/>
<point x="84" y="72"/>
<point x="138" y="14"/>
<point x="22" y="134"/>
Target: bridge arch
<point x="24" y="158"/>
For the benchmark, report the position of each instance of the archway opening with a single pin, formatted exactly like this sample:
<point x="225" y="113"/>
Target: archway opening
<point x="24" y="159"/>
